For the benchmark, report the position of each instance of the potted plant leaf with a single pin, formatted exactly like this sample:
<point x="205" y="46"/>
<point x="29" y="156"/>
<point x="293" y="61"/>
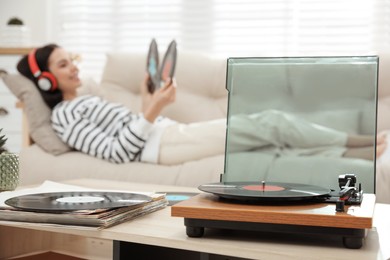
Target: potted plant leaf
<point x="9" y="167"/>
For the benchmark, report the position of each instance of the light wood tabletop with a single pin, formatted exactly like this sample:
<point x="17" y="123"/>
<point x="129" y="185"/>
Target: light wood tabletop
<point x="163" y="230"/>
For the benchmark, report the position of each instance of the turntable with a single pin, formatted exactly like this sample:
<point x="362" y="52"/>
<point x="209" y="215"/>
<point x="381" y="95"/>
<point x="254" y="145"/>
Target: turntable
<point x="281" y="207"/>
<point x="279" y="189"/>
<point x="293" y="208"/>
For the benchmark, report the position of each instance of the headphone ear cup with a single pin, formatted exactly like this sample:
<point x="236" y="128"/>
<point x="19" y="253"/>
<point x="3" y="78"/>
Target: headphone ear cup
<point x="47" y="81"/>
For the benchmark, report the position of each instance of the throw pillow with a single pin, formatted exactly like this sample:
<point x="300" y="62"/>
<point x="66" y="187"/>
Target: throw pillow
<point x="38" y="114"/>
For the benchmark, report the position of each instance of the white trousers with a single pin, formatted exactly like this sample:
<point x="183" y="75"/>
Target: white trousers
<point x="186" y="142"/>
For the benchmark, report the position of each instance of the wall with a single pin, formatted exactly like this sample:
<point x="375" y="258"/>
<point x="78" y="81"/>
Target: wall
<point x="36" y="14"/>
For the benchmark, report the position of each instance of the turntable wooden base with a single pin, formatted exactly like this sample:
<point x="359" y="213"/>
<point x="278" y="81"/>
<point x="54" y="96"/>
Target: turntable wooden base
<point x="208" y="211"/>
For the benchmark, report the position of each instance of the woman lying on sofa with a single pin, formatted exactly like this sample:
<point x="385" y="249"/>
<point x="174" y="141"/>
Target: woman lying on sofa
<point x="110" y="131"/>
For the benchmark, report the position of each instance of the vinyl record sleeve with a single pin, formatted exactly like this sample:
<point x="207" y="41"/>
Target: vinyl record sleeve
<point x="176" y="197"/>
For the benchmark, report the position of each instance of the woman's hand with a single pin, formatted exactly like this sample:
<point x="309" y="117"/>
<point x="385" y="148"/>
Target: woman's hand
<point x="153" y="104"/>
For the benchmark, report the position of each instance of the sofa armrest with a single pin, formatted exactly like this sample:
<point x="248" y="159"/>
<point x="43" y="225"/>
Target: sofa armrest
<point x="26" y="138"/>
<point x="383" y="114"/>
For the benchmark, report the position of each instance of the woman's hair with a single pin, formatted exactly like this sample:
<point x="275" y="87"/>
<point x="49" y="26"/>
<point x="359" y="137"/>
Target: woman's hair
<point x="42" y="58"/>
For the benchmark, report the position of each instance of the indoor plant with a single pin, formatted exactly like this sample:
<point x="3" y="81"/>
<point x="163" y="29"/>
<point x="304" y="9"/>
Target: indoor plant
<point x="9" y="167"/>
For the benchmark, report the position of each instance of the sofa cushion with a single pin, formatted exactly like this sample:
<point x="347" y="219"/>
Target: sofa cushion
<point x="201" y="91"/>
<point x="383" y="74"/>
<point x="38" y="114"/>
<point x="191" y="174"/>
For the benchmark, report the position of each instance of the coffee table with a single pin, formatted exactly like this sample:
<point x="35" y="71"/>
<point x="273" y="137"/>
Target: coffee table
<point x="162" y="236"/>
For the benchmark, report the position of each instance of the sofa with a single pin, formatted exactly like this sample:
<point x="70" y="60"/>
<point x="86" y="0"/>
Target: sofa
<point x="201" y="95"/>
<point x="47" y="158"/>
<point x="383" y="125"/>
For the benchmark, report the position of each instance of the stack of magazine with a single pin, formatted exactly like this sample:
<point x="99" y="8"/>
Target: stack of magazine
<point x="53" y="210"/>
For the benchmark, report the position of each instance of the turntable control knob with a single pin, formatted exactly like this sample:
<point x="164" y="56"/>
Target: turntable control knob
<point x="340" y="205"/>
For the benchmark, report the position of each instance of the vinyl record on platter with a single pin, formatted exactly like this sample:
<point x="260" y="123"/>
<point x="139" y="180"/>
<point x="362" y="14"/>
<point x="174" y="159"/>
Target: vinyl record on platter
<point x="72" y="201"/>
<point x="266" y="191"/>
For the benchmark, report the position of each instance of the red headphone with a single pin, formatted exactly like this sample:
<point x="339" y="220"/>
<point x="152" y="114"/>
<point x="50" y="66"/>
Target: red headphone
<point x="46" y="80"/>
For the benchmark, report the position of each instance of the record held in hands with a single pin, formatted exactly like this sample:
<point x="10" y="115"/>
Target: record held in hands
<point x="266" y="191"/>
<point x="169" y="62"/>
<point x="152" y="67"/>
<point x="72" y="201"/>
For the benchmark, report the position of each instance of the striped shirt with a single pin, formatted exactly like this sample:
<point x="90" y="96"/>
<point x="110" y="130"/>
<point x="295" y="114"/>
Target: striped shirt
<point x="102" y="129"/>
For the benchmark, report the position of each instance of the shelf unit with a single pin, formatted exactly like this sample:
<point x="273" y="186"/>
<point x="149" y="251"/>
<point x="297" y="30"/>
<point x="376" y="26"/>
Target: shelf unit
<point x="11" y="122"/>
